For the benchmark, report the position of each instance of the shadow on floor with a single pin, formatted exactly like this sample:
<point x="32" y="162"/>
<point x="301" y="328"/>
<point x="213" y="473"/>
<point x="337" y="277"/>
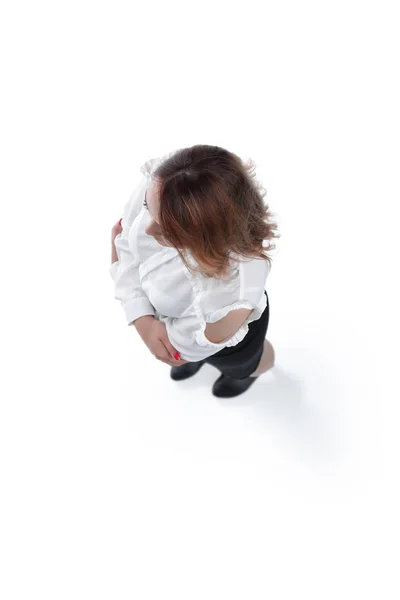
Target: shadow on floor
<point x="304" y="421"/>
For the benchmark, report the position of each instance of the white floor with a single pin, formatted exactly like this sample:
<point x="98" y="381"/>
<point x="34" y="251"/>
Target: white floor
<point x="124" y="483"/>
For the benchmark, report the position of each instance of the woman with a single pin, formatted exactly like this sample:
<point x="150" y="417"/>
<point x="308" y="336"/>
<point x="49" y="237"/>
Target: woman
<point x="189" y="265"/>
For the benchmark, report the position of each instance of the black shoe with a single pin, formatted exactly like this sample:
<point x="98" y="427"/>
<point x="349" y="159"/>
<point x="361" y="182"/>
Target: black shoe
<point x="187" y="370"/>
<point x="227" y="387"/>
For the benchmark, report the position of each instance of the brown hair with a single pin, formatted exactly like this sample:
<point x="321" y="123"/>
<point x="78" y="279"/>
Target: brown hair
<point x="211" y="205"/>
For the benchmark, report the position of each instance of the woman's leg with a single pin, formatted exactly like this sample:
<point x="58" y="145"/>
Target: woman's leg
<point x="267" y="360"/>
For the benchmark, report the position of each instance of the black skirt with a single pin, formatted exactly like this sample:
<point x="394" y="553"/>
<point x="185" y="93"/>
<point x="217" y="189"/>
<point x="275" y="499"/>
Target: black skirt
<point x="242" y="360"/>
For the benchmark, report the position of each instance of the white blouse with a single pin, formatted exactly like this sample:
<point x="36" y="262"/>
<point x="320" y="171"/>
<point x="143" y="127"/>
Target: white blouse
<point x="151" y="279"/>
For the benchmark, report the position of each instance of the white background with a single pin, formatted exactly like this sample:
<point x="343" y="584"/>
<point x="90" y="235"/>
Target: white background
<point x="116" y="481"/>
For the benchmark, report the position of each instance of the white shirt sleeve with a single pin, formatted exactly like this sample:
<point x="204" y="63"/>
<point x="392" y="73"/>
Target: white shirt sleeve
<point x="125" y="271"/>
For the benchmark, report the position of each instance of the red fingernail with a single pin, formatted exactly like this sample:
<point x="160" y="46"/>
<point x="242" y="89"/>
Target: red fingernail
<point x="177" y="356"/>
<point x="119" y="222"/>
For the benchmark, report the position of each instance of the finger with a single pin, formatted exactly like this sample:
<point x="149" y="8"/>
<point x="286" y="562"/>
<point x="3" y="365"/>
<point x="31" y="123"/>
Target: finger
<point x="174" y="363"/>
<point x="163" y="354"/>
<point x="172" y="351"/>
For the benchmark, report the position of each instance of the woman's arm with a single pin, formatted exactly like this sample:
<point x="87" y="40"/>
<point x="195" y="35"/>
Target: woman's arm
<point x="152" y="332"/>
<point x="117" y="228"/>
<point x="226" y="327"/>
<point x="124" y="268"/>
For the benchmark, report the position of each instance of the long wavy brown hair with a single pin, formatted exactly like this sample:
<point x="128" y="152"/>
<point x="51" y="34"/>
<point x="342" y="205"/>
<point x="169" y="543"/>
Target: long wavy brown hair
<point x="211" y="205"/>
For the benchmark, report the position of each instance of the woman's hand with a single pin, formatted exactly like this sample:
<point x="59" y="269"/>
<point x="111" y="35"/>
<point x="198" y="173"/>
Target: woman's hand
<point x="155" y="336"/>
<point x="116" y="229"/>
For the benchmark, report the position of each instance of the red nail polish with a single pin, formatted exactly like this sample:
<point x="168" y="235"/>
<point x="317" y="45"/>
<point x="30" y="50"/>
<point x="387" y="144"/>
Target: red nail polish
<point x="177" y="356"/>
<point x="120" y="221"/>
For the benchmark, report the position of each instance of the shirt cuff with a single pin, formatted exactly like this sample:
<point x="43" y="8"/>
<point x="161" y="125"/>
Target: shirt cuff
<point x="137" y="307"/>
